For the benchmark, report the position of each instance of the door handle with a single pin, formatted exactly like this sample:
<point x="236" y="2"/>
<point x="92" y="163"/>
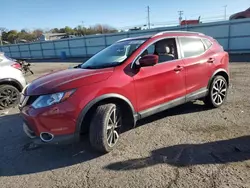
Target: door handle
<point x="211" y="60"/>
<point x="178" y="68"/>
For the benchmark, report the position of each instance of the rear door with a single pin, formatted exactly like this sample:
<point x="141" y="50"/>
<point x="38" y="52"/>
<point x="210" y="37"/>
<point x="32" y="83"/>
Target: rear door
<point x="196" y="59"/>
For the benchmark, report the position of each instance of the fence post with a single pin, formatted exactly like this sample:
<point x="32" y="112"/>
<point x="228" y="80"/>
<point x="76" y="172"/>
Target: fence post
<point x="30" y="51"/>
<point x="105" y="41"/>
<point x="86" y="47"/>
<point x="41" y="46"/>
<point x="69" y="48"/>
<point x="54" y="48"/>
<point x="229" y="36"/>
<point x="10" y="51"/>
<point x="19" y="51"/>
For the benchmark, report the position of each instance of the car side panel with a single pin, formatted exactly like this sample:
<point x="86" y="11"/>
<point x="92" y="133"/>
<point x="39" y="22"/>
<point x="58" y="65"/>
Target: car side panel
<point x="197" y="72"/>
<point x="117" y="84"/>
<point x="221" y="62"/>
<point x="8" y="72"/>
<point x="150" y="86"/>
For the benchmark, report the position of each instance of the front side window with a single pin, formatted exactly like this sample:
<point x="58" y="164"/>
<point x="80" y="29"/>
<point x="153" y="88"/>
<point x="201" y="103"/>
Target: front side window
<point x="165" y="49"/>
<point x="113" y="55"/>
<point x="192" y="46"/>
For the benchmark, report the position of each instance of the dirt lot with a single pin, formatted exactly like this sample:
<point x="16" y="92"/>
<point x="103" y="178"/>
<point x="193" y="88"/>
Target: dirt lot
<point x="188" y="146"/>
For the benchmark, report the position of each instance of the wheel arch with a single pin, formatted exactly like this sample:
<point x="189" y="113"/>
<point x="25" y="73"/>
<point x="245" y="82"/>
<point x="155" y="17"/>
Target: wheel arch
<point x="11" y="81"/>
<point x="221" y="72"/>
<point x="88" y="110"/>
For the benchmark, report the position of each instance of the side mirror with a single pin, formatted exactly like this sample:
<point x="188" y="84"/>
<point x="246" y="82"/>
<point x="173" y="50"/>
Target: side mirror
<point x="148" y="60"/>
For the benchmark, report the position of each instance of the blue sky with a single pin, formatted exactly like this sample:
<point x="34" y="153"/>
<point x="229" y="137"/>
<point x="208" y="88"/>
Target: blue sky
<point x="45" y="14"/>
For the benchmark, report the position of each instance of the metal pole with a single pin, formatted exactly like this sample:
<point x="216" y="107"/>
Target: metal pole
<point x="180" y="16"/>
<point x="1" y="42"/>
<point x="1" y="33"/>
<point x="148" y="17"/>
<point x="225" y="12"/>
<point x="83" y="28"/>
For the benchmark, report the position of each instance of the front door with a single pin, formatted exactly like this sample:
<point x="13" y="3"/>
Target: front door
<point x="163" y="82"/>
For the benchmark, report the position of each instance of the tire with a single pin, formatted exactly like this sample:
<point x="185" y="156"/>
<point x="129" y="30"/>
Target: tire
<point x="102" y="128"/>
<point x="9" y="96"/>
<point x="217" y="93"/>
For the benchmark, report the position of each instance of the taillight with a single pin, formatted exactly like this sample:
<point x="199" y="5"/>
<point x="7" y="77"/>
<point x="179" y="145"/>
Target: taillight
<point x="16" y="66"/>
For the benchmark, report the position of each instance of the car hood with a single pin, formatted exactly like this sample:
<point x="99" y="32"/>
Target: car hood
<point x="67" y="79"/>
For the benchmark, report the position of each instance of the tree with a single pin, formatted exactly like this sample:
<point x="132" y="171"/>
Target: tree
<point x="12" y="35"/>
<point x="23" y="31"/>
<point x="80" y="30"/>
<point x="69" y="30"/>
<point x="55" y="30"/>
<point x="38" y="33"/>
<point x="99" y="28"/>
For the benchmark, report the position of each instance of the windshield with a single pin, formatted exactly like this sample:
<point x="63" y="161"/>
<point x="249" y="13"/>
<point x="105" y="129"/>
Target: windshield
<point x="113" y="55"/>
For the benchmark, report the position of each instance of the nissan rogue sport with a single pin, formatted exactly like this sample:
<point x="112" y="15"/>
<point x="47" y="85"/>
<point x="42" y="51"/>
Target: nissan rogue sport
<point x="127" y="81"/>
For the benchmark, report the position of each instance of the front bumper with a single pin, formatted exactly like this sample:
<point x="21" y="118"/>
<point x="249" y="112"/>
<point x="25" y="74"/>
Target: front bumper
<point x="57" y="139"/>
<point x="58" y="120"/>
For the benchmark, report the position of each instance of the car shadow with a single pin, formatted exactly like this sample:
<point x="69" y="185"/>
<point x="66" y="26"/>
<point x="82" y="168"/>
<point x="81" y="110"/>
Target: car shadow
<point x="186" y="155"/>
<point x="19" y="156"/>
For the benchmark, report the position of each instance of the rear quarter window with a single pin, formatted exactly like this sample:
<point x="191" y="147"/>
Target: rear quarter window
<point x="191" y="46"/>
<point x="207" y="43"/>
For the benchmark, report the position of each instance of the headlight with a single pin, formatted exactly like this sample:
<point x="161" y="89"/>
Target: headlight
<point x="48" y="100"/>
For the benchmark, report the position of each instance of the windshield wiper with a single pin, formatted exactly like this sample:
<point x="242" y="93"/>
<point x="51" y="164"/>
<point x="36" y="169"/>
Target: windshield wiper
<point x="77" y="66"/>
<point x="99" y="67"/>
<point x="90" y="67"/>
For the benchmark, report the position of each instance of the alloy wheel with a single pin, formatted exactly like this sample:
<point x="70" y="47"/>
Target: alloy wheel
<point x="8" y="97"/>
<point x="219" y="91"/>
<point x="113" y="127"/>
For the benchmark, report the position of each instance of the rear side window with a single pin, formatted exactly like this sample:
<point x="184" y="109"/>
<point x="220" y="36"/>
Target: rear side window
<point x="192" y="46"/>
<point x="207" y="43"/>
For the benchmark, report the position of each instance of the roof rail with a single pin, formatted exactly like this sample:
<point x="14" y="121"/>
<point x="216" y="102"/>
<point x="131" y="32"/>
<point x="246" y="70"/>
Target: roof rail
<point x="124" y="39"/>
<point x="165" y="32"/>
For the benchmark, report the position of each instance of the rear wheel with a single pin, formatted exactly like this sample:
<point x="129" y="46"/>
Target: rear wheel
<point x="217" y="92"/>
<point x="105" y="127"/>
<point x="9" y="96"/>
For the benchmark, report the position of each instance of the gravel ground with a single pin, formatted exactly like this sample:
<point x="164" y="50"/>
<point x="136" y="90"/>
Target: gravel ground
<point x="188" y="146"/>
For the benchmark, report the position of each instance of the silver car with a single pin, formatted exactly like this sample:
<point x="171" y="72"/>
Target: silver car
<point x="12" y="82"/>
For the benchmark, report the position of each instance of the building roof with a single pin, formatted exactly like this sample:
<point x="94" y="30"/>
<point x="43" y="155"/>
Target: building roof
<point x="54" y="34"/>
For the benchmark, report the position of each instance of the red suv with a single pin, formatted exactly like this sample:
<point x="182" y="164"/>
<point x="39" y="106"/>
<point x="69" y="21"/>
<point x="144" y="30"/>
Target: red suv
<point x="127" y="81"/>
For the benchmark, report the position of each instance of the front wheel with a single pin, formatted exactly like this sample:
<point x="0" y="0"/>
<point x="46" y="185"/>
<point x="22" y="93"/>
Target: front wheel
<point x="217" y="92"/>
<point x="105" y="127"/>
